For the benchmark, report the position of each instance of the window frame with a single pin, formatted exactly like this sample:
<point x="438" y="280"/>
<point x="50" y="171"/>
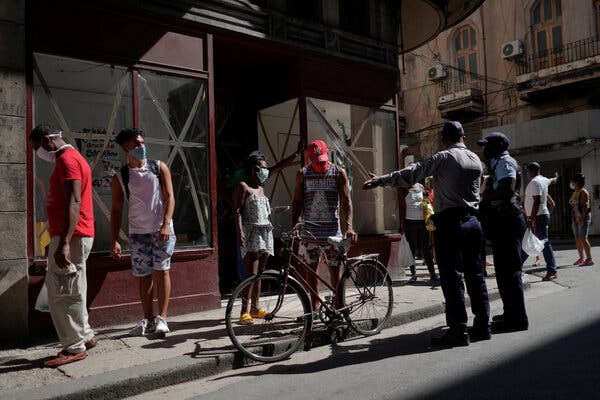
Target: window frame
<point x="547" y="28"/>
<point x="187" y="253"/>
<point x="466" y="75"/>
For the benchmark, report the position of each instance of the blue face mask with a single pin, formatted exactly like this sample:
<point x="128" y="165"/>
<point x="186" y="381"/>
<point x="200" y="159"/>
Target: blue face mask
<point x="139" y="153"/>
<point x="262" y="175"/>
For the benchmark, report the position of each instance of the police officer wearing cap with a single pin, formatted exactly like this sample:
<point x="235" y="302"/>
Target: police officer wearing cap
<point x="504" y="226"/>
<point x="458" y="235"/>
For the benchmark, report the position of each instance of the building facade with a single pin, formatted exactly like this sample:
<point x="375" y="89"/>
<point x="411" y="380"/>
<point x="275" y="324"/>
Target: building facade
<point x="528" y="69"/>
<point x="208" y="81"/>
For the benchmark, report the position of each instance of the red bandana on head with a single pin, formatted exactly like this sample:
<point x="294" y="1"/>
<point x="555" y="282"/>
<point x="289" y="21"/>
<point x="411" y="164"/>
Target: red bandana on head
<point x="317" y="153"/>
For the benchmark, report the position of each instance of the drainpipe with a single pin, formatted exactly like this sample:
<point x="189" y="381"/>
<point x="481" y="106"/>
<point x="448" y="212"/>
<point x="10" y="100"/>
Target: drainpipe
<point x="484" y="59"/>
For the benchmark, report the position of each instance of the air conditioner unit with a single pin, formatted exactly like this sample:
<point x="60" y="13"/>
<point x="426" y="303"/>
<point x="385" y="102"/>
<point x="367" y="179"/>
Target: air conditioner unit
<point x="436" y="73"/>
<point x="512" y="49"/>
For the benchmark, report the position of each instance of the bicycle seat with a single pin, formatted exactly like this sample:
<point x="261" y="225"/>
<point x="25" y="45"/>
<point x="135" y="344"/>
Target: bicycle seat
<point x="339" y="241"/>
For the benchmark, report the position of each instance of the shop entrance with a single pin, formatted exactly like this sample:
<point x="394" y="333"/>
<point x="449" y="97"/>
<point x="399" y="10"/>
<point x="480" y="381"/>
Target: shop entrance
<point x="249" y="79"/>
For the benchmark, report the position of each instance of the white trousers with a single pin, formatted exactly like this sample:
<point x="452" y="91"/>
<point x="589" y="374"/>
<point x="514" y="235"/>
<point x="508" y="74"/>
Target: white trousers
<point x="67" y="295"/>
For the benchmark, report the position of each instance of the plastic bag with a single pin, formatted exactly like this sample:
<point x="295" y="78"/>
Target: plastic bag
<point x="41" y="303"/>
<point x="403" y="260"/>
<point x="532" y="245"/>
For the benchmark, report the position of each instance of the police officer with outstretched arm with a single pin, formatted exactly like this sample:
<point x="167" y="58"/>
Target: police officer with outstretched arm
<point x="504" y="225"/>
<point x="458" y="235"/>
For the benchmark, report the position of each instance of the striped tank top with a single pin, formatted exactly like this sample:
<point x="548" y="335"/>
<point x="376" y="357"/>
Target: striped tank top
<point x="321" y="204"/>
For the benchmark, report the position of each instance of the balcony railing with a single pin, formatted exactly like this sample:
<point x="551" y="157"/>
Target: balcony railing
<point x="458" y="84"/>
<point x="570" y="52"/>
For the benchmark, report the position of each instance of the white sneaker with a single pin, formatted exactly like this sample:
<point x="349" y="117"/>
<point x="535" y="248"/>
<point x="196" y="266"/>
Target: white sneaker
<point x="161" y="326"/>
<point x="142" y="328"/>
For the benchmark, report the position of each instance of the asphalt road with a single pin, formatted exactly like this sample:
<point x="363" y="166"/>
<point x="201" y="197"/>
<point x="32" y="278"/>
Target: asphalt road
<point x="559" y="357"/>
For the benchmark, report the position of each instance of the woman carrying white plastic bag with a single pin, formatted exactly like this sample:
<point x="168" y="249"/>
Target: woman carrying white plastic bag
<point x="532" y="245"/>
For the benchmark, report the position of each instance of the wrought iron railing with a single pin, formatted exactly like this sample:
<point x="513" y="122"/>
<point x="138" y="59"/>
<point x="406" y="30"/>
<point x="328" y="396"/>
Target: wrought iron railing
<point x="458" y="84"/>
<point x="567" y="53"/>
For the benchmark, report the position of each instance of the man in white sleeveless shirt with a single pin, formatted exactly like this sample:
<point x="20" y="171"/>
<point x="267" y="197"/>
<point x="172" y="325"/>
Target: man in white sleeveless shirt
<point x="147" y="186"/>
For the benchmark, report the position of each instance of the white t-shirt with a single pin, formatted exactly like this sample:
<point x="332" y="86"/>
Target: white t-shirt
<point x="146" y="210"/>
<point x="538" y="186"/>
<point x="414" y="204"/>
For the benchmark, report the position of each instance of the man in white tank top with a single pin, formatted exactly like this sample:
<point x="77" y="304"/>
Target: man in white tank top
<point x="147" y="186"/>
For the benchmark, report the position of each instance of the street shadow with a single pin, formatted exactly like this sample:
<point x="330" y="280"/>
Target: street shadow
<point x="568" y="367"/>
<point x="21" y="364"/>
<point x="173" y="325"/>
<point x="172" y="339"/>
<point x="346" y="353"/>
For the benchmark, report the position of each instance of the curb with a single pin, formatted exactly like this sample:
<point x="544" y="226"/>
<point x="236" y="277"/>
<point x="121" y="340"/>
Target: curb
<point x="125" y="382"/>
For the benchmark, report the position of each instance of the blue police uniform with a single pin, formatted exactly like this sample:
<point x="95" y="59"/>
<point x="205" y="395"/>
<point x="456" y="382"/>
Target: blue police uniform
<point x="505" y="227"/>
<point x="458" y="234"/>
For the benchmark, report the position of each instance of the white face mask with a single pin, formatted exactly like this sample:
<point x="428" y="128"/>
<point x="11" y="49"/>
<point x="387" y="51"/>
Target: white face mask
<point x="572" y="186"/>
<point x="50" y="156"/>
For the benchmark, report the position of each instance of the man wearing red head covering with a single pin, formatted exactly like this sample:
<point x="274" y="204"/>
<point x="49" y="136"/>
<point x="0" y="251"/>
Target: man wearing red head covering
<point x="322" y="198"/>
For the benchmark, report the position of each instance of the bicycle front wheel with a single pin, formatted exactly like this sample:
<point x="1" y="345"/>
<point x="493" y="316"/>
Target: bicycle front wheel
<point x="280" y="317"/>
<point x="368" y="296"/>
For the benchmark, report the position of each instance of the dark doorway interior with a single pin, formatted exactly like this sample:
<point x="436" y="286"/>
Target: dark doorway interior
<point x="248" y="77"/>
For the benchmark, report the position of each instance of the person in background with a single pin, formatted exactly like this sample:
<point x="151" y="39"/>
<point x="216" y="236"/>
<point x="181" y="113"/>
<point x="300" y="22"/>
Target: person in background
<point x="71" y="225"/>
<point x="458" y="235"/>
<point x="322" y="199"/>
<point x="254" y="231"/>
<point x="538" y="214"/>
<point x="241" y="175"/>
<point x="581" y="216"/>
<point x="551" y="207"/>
<point x="415" y="230"/>
<point x="505" y="226"/>
<point x="147" y="186"/>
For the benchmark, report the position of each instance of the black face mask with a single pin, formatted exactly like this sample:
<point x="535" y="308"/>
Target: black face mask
<point x="490" y="153"/>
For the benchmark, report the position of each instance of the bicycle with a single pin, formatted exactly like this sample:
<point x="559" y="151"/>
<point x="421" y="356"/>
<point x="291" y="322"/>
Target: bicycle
<point x="364" y="298"/>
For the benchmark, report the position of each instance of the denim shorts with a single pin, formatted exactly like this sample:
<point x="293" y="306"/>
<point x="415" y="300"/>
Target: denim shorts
<point x="581" y="231"/>
<point x="150" y="254"/>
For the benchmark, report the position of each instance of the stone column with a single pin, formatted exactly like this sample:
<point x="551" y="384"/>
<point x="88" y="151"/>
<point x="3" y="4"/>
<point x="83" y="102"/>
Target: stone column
<point x="13" y="180"/>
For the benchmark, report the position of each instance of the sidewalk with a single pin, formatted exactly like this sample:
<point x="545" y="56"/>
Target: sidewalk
<point x="198" y="346"/>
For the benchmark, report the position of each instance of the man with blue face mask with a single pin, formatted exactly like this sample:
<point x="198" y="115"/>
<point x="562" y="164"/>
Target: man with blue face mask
<point x="148" y="188"/>
<point x="505" y="226"/>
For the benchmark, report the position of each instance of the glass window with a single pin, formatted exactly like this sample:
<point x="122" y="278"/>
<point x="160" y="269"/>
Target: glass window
<point x="557" y="38"/>
<point x="174" y="116"/>
<point x="91" y="102"/>
<point x="466" y="57"/>
<point x="541" y="43"/>
<point x="457" y="43"/>
<point x="536" y="15"/>
<point x="360" y="139"/>
<point x="462" y="69"/>
<point x="547" y="10"/>
<point x="547" y="32"/>
<point x="473" y="63"/>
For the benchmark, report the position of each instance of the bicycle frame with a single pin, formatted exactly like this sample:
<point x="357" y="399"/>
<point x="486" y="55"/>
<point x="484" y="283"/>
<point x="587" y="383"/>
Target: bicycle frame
<point x="291" y="268"/>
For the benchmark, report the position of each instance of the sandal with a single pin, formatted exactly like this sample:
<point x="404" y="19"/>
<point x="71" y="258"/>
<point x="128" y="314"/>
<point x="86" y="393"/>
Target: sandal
<point x="246" y="319"/>
<point x="260" y="313"/>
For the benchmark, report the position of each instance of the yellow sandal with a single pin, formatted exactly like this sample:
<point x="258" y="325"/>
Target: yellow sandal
<point x="246" y="319"/>
<point x="260" y="313"/>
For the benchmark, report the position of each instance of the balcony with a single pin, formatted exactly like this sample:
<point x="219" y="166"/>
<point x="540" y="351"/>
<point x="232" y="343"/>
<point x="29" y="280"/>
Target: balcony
<point x="461" y="99"/>
<point x="573" y="67"/>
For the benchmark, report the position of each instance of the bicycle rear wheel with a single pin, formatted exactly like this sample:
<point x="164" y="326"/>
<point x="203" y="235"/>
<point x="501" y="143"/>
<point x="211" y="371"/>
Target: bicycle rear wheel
<point x="368" y="294"/>
<point x="282" y="330"/>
